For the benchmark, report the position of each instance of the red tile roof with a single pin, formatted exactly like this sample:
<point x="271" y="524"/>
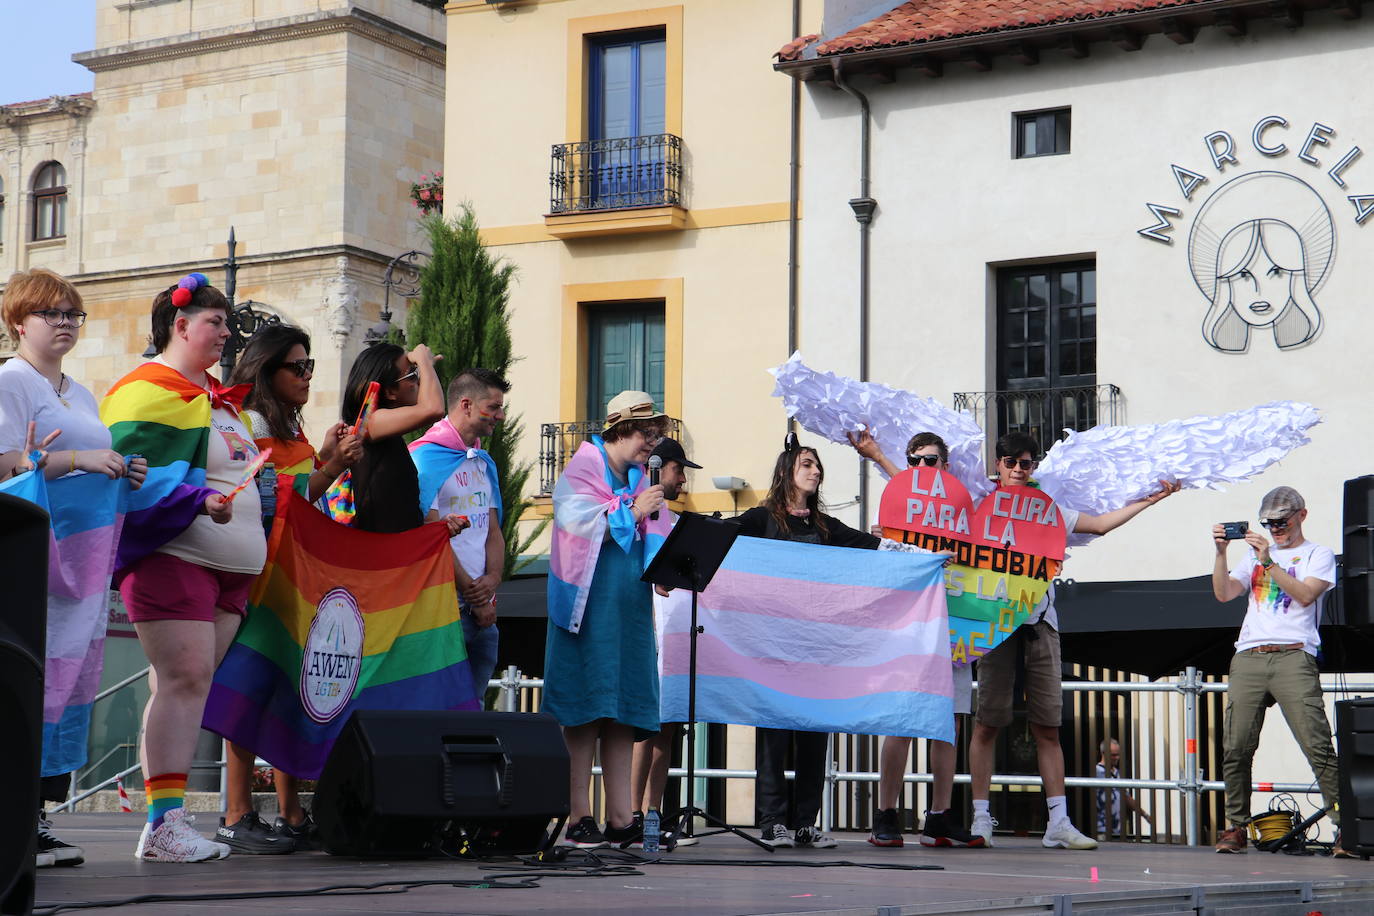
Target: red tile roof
<point x="932" y="20"/>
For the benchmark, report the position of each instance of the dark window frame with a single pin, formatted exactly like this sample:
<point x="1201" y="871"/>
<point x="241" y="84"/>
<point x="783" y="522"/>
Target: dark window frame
<point x="55" y="226"/>
<point x="1047" y="123"/>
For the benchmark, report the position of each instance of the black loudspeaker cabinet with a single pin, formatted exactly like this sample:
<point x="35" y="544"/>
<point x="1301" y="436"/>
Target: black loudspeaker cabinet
<point x="404" y="784"/>
<point x="1357" y="552"/>
<point x="23" y="631"/>
<point x="1355" y="753"/>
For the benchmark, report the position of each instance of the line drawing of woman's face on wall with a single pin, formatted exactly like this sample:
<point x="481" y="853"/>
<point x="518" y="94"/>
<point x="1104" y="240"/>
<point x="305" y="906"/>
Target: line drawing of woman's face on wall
<point x="1262" y="271"/>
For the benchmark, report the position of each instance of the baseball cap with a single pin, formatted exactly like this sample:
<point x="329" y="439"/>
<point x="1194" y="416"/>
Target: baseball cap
<point x="671" y="450"/>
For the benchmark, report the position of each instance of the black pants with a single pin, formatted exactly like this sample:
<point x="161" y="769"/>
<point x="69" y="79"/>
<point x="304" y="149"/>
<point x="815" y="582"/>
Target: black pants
<point x="771" y="791"/>
<point x="54" y="788"/>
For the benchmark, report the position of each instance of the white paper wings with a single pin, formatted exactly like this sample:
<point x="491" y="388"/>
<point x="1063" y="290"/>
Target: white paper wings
<point x="1095" y="471"/>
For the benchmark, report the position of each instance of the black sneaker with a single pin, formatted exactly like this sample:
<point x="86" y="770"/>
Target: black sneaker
<point x="813" y="837"/>
<point x="585" y="835"/>
<point x="631" y="833"/>
<point x="251" y="836"/>
<point x="303" y="836"/>
<point x="943" y="830"/>
<point x="887" y="828"/>
<point x="777" y="836"/>
<point x="49" y="845"/>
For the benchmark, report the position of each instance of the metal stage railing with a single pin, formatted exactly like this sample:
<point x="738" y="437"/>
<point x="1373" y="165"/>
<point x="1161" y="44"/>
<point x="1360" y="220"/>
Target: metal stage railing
<point x="518" y="693"/>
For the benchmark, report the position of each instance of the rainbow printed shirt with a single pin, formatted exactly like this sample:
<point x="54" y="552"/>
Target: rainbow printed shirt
<point x="1272" y="616"/>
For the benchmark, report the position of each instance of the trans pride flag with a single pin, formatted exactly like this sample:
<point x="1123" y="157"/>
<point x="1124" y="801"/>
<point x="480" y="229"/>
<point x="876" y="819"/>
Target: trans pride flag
<point x="339" y="620"/>
<point x="86" y="512"/>
<point x="817" y="638"/>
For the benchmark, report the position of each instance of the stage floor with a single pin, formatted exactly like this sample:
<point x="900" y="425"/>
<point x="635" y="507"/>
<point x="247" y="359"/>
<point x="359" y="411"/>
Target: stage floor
<point x="717" y="877"/>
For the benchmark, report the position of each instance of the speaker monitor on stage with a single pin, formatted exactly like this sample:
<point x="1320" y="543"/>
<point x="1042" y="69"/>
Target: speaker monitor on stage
<point x="1357" y="549"/>
<point x="23" y="627"/>
<point x="403" y="784"/>
<point x="1355" y="759"/>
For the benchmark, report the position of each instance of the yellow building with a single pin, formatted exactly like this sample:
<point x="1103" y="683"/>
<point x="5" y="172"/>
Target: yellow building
<point x="633" y="163"/>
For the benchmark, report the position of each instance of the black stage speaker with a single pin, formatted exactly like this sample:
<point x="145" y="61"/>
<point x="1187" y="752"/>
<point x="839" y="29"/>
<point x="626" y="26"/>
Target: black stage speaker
<point x="1357" y="549"/>
<point x="23" y="633"/>
<point x="412" y="784"/>
<point x="1355" y="755"/>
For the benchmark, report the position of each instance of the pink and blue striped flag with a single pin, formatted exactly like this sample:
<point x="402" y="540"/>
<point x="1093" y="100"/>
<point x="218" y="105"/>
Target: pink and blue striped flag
<point x="86" y="513"/>
<point x="817" y="638"/>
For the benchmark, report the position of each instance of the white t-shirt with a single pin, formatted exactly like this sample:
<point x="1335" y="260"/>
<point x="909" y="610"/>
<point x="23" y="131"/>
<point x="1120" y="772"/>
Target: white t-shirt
<point x="1272" y="617"/>
<point x="468" y="492"/>
<point x="26" y="395"/>
<point x="240" y="545"/>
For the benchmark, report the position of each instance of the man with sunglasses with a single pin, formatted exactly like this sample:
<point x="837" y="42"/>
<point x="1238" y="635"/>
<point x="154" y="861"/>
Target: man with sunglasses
<point x="1038" y="639"/>
<point x="1276" y="655"/>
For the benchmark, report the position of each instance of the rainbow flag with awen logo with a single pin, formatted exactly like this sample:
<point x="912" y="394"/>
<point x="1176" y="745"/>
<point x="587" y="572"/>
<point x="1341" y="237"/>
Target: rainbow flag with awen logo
<point x="339" y="620"/>
<point x="816" y="638"/>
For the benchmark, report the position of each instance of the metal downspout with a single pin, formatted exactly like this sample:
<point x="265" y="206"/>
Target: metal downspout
<point x="863" y="206"/>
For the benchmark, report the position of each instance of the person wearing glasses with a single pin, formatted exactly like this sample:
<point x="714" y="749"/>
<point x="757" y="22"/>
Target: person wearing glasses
<point x="1285" y="582"/>
<point x="942" y="828"/>
<point x="277" y="364"/>
<point x="41" y="407"/>
<point x="1038" y="641"/>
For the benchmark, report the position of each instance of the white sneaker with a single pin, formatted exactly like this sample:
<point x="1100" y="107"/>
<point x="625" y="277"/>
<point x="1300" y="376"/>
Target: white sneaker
<point x="1064" y="835"/>
<point x="811" y="836"/>
<point x="143" y="840"/>
<point x="177" y="841"/>
<point x="982" y="826"/>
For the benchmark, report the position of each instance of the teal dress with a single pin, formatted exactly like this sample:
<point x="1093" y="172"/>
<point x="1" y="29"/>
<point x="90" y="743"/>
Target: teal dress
<point x="608" y="670"/>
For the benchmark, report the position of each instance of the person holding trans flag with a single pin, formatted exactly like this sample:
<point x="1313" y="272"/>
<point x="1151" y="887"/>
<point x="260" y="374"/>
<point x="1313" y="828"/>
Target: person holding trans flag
<point x="188" y="554"/>
<point x="600" y="664"/>
<point x="40" y="405"/>
<point x="458" y="478"/>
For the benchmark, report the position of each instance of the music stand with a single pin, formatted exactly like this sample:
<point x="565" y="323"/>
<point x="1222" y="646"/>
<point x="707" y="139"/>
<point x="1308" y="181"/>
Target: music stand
<point x="688" y="559"/>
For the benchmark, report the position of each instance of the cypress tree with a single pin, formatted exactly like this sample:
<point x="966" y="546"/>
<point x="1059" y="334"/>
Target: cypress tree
<point x="461" y="314"/>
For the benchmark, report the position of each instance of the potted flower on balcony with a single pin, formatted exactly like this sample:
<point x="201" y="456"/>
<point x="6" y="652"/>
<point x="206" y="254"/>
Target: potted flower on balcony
<point x="428" y="193"/>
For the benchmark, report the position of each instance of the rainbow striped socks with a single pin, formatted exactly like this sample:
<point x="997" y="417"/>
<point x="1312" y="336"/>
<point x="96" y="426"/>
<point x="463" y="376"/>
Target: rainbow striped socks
<point x="164" y="792"/>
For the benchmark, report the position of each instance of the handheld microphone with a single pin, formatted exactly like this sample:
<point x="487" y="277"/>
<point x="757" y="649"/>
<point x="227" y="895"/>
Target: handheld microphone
<point x="655" y="465"/>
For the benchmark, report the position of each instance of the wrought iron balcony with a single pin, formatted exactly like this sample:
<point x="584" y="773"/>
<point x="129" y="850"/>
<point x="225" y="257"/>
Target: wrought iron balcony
<point x="617" y="174"/>
<point x="558" y="442"/>
<point x="1043" y="412"/>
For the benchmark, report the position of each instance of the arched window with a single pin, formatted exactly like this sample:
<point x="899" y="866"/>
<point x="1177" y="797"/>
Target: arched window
<point x="50" y="202"/>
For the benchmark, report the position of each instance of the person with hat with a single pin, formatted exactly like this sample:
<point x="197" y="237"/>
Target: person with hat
<point x="651" y="758"/>
<point x="600" y="663"/>
<point x="1285" y="583"/>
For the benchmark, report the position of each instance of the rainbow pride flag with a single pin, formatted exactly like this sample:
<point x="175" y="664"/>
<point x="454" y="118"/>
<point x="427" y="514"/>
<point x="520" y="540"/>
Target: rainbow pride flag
<point x="816" y="638"/>
<point x="86" y="513"/>
<point x="339" y="620"/>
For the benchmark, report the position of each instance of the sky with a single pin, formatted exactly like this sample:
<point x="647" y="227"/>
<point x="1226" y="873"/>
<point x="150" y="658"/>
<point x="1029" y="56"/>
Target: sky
<point x="38" y="38"/>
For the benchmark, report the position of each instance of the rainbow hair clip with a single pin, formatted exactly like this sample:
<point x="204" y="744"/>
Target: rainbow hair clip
<point x="181" y="296"/>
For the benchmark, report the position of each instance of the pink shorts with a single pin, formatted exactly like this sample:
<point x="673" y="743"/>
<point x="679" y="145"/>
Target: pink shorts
<point x="164" y="587"/>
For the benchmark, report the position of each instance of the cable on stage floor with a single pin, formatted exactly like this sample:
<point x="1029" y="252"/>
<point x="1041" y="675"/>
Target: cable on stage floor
<point x="578" y="864"/>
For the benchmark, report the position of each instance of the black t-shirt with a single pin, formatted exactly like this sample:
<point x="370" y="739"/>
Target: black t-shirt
<point x="386" y="488"/>
<point x="758" y="522"/>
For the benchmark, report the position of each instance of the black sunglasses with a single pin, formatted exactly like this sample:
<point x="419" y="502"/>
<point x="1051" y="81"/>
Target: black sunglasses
<point x="300" y="367"/>
<point x="1026" y="464"/>
<point x="1277" y="524"/>
<point x="929" y="461"/>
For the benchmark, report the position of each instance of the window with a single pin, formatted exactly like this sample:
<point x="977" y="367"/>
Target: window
<point x="50" y="202"/>
<point x="1047" y="349"/>
<point x="1041" y="133"/>
<point x="626" y="118"/>
<point x="626" y="353"/>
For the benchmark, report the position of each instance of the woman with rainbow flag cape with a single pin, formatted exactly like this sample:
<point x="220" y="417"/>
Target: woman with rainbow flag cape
<point x="188" y="554"/>
<point x="40" y="404"/>
<point x="277" y="364"/>
<point x="600" y="663"/>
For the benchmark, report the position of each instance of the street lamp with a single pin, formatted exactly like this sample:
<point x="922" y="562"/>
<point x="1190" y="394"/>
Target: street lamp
<point x="407" y="286"/>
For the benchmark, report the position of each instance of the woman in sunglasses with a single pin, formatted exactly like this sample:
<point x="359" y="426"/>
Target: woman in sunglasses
<point x="41" y="407"/>
<point x="277" y="364"/>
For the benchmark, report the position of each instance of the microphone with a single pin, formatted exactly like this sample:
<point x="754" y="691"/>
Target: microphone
<point x="655" y="464"/>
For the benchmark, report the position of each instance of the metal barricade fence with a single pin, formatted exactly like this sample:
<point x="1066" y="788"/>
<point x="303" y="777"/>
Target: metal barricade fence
<point x="517" y="693"/>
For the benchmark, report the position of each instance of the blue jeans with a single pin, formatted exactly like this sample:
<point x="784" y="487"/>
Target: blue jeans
<point x="481" y="644"/>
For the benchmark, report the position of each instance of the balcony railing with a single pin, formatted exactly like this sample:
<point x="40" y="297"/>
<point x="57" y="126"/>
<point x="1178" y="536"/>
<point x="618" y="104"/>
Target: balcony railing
<point x="616" y="174"/>
<point x="1043" y="412"/>
<point x="558" y="441"/>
